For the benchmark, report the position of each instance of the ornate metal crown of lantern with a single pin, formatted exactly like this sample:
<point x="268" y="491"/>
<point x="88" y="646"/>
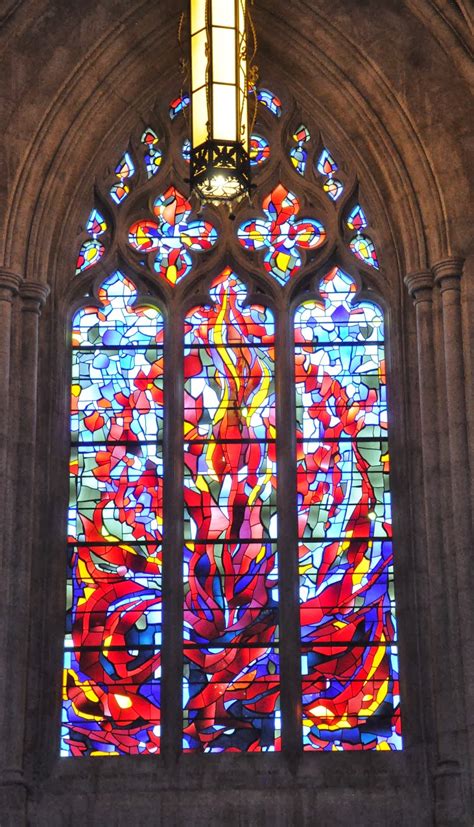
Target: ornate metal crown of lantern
<point x="220" y="164"/>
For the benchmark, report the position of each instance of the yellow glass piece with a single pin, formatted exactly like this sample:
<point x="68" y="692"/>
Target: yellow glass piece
<point x="360" y="571"/>
<point x="260" y="555"/>
<point x="282" y="261"/>
<point x="223" y="13"/>
<point x="198" y="15"/>
<point x="201" y="484"/>
<point x="256" y="235"/>
<point x="111" y="538"/>
<point x="223" y="55"/>
<point x="171" y="274"/>
<point x="306" y="236"/>
<point x="187" y="240"/>
<point x="224" y="113"/>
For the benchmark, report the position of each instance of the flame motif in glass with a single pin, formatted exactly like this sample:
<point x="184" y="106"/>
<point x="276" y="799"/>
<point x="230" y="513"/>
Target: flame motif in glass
<point x="350" y="686"/>
<point x="231" y="670"/>
<point x="111" y="689"/>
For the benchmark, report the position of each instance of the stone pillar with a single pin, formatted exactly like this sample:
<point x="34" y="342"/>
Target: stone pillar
<point x="457" y="501"/>
<point x="441" y="585"/>
<point x="17" y="564"/>
<point x="9" y="283"/>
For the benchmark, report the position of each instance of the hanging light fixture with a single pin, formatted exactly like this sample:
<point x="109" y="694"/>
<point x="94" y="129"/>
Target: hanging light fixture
<point x="220" y="164"/>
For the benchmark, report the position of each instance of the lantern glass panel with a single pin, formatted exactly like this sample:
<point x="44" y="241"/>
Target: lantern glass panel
<point x="199" y="60"/>
<point x="223" y="55"/>
<point x="243" y="109"/>
<point x="224" y="113"/>
<point x="200" y="116"/>
<point x="223" y="13"/>
<point x="198" y="15"/>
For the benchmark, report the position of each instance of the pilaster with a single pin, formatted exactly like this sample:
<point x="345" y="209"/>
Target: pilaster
<point x="9" y="284"/>
<point x="17" y="562"/>
<point x="443" y="618"/>
<point x="448" y="276"/>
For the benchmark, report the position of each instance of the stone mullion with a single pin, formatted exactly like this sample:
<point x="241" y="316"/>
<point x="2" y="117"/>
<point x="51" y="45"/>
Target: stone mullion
<point x="448" y="276"/>
<point x="442" y="597"/>
<point x="287" y="534"/>
<point x="172" y="649"/>
<point x="17" y="564"/>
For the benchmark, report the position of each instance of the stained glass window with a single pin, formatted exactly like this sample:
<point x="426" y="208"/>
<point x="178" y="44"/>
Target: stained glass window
<point x="259" y="150"/>
<point x="92" y="249"/>
<point x="153" y="155"/>
<point x="124" y="170"/>
<point x="299" y="153"/>
<point x="240" y="337"/>
<point x="270" y="101"/>
<point x="350" y="688"/>
<point x="326" y="167"/>
<point x="231" y="672"/>
<point x="111" y="693"/>
<point x="172" y="235"/>
<point x="361" y="245"/>
<point x="282" y="234"/>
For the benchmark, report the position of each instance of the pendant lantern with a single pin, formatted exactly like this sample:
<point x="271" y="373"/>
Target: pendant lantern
<point x="220" y="165"/>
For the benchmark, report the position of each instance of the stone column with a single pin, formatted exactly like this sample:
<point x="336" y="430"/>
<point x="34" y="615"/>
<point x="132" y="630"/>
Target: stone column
<point x="441" y="585"/>
<point x="457" y="501"/>
<point x="9" y="283"/>
<point x="17" y="564"/>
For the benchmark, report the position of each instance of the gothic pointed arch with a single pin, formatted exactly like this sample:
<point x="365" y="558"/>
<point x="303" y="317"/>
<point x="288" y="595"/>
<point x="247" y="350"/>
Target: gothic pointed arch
<point x="236" y="636"/>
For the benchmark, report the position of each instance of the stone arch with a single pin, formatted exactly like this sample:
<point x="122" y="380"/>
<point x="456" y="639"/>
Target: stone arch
<point x="346" y="88"/>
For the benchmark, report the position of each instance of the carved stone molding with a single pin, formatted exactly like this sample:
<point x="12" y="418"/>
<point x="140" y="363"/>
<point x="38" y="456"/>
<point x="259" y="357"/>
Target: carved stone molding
<point x="448" y="272"/>
<point x="420" y="285"/>
<point x="9" y="284"/>
<point x="33" y="295"/>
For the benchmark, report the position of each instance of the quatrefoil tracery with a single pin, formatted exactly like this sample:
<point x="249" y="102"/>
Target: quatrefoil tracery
<point x="173" y="235"/>
<point x="282" y="236"/>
